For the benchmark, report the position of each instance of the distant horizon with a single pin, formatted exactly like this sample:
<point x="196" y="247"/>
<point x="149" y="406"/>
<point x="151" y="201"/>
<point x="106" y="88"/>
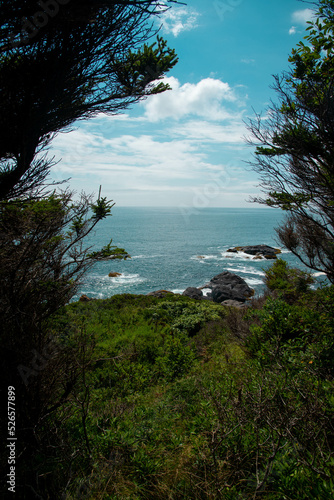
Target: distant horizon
<point x="260" y="207"/>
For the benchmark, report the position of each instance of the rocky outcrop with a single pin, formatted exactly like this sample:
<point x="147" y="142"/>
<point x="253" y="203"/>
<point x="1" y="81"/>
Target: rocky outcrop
<point x="193" y="293"/>
<point x="229" y="286"/>
<point x="84" y="298"/>
<point x="259" y="251"/>
<point x="114" y="275"/>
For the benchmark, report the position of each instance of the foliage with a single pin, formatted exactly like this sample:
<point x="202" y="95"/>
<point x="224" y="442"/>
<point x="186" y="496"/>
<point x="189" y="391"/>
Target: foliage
<point x="185" y="317"/>
<point x="68" y="62"/>
<point x="290" y="282"/>
<point x="171" y="413"/>
<point x="294" y="150"/>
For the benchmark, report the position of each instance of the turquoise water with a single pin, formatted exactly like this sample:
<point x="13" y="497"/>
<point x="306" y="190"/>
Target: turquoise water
<point x="171" y="250"/>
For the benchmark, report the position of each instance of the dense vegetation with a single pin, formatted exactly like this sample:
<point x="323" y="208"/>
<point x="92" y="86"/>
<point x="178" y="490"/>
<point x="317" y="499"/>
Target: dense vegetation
<point x="177" y="398"/>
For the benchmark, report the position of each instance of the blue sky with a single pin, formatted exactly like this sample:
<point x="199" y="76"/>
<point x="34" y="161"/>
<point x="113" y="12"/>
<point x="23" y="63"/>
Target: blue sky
<point x="185" y="148"/>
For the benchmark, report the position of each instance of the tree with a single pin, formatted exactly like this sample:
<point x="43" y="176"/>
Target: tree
<point x="295" y="146"/>
<point x="43" y="259"/>
<point x="68" y="61"/>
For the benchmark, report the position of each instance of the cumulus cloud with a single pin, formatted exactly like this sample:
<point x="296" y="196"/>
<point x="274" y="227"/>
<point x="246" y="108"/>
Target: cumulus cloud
<point x="208" y="99"/>
<point x="177" y="20"/>
<point x="292" y="30"/>
<point x="302" y="16"/>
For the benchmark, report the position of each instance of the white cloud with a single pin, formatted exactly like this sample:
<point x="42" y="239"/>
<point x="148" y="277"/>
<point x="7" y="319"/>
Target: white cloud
<point x="177" y="20"/>
<point x="232" y="133"/>
<point x="136" y="160"/>
<point x="207" y="99"/>
<point x="127" y="157"/>
<point x="302" y="16"/>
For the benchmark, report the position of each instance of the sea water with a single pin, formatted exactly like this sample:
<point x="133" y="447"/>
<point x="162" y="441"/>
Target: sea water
<point x="172" y="249"/>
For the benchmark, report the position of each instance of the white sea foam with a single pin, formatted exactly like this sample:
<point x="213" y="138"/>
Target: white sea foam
<point x="237" y="256"/>
<point x="246" y="270"/>
<point x="204" y="257"/>
<point x="107" y="282"/>
<point x="253" y="281"/>
<point x="128" y="278"/>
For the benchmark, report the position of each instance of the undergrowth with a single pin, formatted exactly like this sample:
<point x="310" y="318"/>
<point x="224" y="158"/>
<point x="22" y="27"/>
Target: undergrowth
<point x="182" y="399"/>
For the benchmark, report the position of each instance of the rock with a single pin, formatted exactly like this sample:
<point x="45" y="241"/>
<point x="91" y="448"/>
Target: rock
<point x="160" y="293"/>
<point x="114" y="275"/>
<point x="229" y="286"/>
<point x="234" y="303"/>
<point x="221" y="293"/>
<point x="258" y="250"/>
<point x="258" y="256"/>
<point x="200" y="257"/>
<point x="84" y="298"/>
<point x="193" y="293"/>
<point x="232" y="250"/>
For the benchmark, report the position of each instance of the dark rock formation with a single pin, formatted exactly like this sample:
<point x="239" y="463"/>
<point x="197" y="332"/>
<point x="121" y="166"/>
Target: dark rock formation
<point x="258" y="250"/>
<point x="229" y="286"/>
<point x="114" y="275"/>
<point x="193" y="293"/>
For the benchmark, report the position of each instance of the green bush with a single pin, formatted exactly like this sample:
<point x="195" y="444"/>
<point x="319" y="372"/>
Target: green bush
<point x="291" y="283"/>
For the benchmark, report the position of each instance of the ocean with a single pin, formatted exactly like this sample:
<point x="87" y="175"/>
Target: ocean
<point x="172" y="249"/>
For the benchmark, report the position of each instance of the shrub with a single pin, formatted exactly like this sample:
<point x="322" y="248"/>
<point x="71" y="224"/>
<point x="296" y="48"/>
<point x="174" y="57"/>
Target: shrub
<point x="290" y="283"/>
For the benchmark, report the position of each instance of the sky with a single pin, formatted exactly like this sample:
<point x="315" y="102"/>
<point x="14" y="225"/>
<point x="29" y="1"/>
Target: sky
<point x="186" y="147"/>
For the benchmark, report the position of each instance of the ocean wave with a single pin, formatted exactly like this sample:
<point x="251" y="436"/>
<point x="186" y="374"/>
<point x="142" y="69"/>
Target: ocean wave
<point x="240" y="256"/>
<point x="246" y="270"/>
<point x="108" y="282"/>
<point x="204" y="257"/>
<point x="253" y="281"/>
<point x="127" y="279"/>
